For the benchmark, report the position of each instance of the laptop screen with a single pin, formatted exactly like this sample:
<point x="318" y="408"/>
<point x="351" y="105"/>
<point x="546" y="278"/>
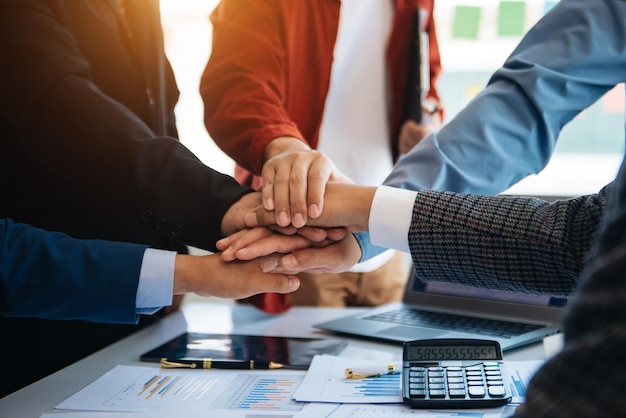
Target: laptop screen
<point x="451" y="289"/>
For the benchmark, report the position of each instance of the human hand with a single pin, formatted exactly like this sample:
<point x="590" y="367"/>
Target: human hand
<point x="327" y="257"/>
<point x="411" y="132"/>
<point x="211" y="276"/>
<point x="233" y="220"/>
<point x="333" y="258"/>
<point x="294" y="180"/>
<point x="248" y="244"/>
<point x="346" y="205"/>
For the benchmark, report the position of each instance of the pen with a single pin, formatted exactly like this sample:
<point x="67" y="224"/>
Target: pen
<point x="362" y="374"/>
<point x="207" y="363"/>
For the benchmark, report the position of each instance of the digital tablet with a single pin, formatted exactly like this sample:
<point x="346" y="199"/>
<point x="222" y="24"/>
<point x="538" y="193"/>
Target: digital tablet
<point x="291" y="352"/>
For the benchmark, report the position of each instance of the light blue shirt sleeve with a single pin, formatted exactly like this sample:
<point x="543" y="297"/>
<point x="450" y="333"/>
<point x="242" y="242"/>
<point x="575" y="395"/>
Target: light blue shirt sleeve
<point x="569" y="59"/>
<point x="156" y="281"/>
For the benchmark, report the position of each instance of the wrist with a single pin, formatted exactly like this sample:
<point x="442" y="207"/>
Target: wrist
<point x="282" y="144"/>
<point x="350" y="205"/>
<point x="186" y="269"/>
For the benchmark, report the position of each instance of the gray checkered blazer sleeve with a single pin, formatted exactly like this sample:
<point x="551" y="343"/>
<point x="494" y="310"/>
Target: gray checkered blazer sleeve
<point x="506" y="243"/>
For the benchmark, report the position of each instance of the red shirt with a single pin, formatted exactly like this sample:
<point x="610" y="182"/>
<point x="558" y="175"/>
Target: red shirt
<point x="269" y="74"/>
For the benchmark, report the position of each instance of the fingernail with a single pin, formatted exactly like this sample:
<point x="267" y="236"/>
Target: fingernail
<point x="294" y="283"/>
<point x="298" y="220"/>
<point x="314" y="211"/>
<point x="283" y="219"/>
<point x="251" y="220"/>
<point x="269" y="204"/>
<point x="290" y="262"/>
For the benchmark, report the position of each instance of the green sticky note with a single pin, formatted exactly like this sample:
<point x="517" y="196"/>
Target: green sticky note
<point x="466" y="20"/>
<point x="511" y="16"/>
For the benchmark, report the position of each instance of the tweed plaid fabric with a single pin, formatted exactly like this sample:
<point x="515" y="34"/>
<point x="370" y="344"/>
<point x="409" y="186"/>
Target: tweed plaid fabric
<point x="505" y="243"/>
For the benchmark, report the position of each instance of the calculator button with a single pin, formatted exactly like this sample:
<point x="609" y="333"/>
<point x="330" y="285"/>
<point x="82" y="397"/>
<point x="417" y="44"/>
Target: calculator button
<point x="437" y="393"/>
<point x="432" y="380"/>
<point x="417" y="386"/>
<point x="452" y="386"/>
<point x="417" y="393"/>
<point x="496" y="391"/>
<point x="476" y="391"/>
<point x="454" y="374"/>
<point x="436" y="386"/>
<point x="457" y="393"/>
<point x="455" y="380"/>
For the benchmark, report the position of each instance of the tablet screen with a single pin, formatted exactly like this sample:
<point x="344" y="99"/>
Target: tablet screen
<point x="294" y="353"/>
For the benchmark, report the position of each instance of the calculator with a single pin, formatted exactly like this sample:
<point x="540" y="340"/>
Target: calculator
<point x="454" y="373"/>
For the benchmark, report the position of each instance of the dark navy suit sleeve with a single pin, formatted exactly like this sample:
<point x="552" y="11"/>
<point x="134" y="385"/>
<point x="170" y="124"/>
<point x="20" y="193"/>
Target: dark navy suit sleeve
<point x="51" y="275"/>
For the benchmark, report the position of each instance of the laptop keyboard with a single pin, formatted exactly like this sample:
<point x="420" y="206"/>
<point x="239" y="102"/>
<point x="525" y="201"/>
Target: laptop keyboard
<point x="489" y="327"/>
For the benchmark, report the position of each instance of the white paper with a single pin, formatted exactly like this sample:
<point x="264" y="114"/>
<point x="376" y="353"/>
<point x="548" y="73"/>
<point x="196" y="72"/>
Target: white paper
<point x="390" y="411"/>
<point x="325" y="381"/>
<point x="136" y="389"/>
<point x="520" y="373"/>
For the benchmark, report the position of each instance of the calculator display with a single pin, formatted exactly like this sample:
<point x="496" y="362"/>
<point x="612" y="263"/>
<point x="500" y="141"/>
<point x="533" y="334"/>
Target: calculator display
<point x="451" y="352"/>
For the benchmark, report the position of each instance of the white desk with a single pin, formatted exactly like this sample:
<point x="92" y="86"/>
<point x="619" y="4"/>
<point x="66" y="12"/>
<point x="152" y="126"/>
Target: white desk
<point x="42" y="396"/>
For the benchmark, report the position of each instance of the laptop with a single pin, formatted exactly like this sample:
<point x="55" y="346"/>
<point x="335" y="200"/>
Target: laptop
<point x="444" y="310"/>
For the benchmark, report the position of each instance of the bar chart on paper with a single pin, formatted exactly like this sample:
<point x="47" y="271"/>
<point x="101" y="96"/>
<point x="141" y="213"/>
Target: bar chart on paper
<point x="371" y="388"/>
<point x="127" y="388"/>
<point x="325" y="381"/>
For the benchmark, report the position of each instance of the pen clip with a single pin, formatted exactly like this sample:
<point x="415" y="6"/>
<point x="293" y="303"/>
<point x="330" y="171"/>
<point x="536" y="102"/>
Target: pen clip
<point x="165" y="364"/>
<point x="351" y="374"/>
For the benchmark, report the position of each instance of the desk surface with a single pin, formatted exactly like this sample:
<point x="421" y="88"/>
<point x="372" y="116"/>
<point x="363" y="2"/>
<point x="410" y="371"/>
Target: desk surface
<point x="42" y="396"/>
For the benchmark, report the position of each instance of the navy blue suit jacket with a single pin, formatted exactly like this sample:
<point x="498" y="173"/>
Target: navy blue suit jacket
<point x="50" y="275"/>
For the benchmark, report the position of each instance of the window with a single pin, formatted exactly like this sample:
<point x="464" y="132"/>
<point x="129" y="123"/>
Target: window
<point x="590" y="147"/>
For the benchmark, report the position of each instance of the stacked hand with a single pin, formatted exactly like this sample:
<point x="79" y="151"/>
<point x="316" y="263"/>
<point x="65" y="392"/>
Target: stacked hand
<point x="346" y="207"/>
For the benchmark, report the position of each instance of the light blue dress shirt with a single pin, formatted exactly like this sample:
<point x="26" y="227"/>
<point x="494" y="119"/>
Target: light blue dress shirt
<point x="567" y="61"/>
<point x="156" y="281"/>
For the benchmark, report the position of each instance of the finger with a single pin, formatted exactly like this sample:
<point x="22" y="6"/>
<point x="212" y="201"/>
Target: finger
<point x="231" y="244"/>
<point x="313" y="233"/>
<point x="308" y="259"/>
<point x="271" y="244"/>
<point x="272" y="283"/>
<point x="268" y="174"/>
<point x="298" y="191"/>
<point x="336" y="234"/>
<point x="318" y="176"/>
<point x="281" y="195"/>
<point x="260" y="217"/>
<point x="336" y="257"/>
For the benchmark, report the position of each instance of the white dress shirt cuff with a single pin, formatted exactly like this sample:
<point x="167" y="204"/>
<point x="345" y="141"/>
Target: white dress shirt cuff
<point x="390" y="217"/>
<point x="156" y="281"/>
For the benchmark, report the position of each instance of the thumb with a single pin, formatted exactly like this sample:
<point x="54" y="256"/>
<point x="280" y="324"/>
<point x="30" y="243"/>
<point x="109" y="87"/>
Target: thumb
<point x="259" y="217"/>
